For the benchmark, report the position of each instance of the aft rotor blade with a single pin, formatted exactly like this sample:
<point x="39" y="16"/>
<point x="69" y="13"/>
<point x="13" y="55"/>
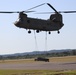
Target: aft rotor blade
<point x="67" y="11"/>
<point x="54" y="12"/>
<point x="52" y="7"/>
<point x="36" y="6"/>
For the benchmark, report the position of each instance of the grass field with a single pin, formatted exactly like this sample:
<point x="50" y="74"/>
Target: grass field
<point x="63" y="59"/>
<point x="52" y="59"/>
<point x="36" y="72"/>
<point x="39" y="72"/>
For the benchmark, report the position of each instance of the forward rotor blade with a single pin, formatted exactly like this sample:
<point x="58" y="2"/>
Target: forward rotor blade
<point x="9" y="12"/>
<point x="36" y="6"/>
<point x="28" y="11"/>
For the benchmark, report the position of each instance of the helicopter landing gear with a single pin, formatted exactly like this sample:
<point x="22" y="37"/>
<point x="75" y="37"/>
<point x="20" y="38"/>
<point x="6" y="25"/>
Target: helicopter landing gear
<point x="58" y="32"/>
<point x="49" y="32"/>
<point x="37" y="31"/>
<point x="29" y="31"/>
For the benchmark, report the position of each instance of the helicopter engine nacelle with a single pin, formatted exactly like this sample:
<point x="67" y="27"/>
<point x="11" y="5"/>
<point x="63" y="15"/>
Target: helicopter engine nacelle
<point x="56" y="18"/>
<point x="22" y="15"/>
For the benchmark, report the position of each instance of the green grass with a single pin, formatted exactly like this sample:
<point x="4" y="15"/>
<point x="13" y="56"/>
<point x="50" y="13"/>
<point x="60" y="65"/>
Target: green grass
<point x="36" y="72"/>
<point x="52" y="59"/>
<point x="63" y="59"/>
<point x="18" y="61"/>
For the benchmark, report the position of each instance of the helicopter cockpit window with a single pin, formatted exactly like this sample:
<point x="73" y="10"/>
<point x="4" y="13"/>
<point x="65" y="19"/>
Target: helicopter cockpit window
<point x="17" y="19"/>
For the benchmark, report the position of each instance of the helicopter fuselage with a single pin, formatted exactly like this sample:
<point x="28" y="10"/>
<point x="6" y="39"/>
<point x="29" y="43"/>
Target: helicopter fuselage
<point x="52" y="24"/>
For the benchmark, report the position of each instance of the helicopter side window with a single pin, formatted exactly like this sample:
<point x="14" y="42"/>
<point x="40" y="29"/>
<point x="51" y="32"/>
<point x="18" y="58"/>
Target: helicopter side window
<point x="28" y="21"/>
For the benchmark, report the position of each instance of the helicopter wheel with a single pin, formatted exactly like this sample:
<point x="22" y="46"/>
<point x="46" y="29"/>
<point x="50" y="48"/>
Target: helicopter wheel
<point x="29" y="31"/>
<point x="58" y="32"/>
<point x="37" y="31"/>
<point x="49" y="32"/>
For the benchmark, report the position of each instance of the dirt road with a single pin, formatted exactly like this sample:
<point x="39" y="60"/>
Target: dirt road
<point x="40" y="65"/>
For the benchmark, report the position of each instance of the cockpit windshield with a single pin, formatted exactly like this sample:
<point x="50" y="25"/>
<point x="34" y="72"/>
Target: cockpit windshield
<point x="18" y="19"/>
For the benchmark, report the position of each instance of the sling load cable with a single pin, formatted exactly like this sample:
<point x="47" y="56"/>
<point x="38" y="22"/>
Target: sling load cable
<point x="46" y="41"/>
<point x="36" y="45"/>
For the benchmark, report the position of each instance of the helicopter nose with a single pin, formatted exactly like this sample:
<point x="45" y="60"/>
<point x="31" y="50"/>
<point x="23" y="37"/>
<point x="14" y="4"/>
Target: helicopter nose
<point x="17" y="23"/>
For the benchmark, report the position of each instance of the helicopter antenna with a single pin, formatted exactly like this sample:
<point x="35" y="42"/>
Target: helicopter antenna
<point x="52" y="8"/>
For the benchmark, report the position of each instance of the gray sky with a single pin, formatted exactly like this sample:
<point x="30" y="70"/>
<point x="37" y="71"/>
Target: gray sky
<point x="15" y="40"/>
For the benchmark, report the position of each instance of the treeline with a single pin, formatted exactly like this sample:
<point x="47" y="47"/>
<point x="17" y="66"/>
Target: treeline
<point x="47" y="54"/>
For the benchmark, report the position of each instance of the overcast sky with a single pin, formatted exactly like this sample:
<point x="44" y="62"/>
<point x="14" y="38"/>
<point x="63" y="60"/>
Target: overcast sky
<point x="15" y="40"/>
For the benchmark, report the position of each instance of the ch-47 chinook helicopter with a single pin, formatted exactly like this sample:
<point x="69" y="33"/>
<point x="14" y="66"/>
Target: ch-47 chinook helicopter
<point x="54" y="23"/>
